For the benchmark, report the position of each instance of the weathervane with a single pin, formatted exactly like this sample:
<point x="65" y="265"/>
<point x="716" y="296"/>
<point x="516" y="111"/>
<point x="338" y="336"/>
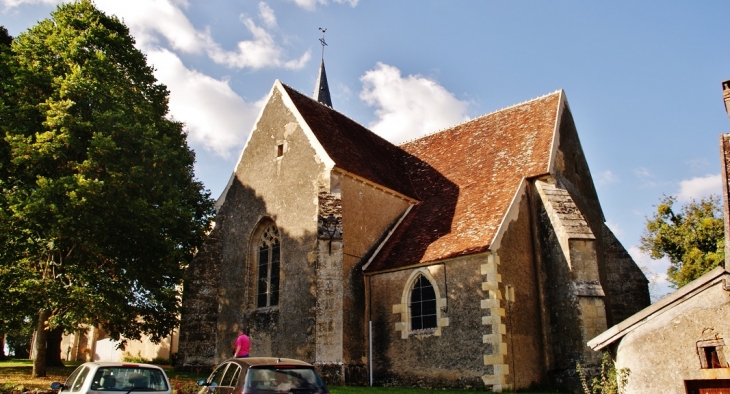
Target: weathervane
<point x="321" y="40"/>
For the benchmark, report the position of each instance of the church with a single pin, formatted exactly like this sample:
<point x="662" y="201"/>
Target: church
<point x="474" y="257"/>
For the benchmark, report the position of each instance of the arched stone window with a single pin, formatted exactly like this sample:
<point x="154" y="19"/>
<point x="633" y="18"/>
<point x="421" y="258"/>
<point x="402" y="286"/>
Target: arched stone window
<point x="423" y="304"/>
<point x="421" y="307"/>
<point x="268" y="252"/>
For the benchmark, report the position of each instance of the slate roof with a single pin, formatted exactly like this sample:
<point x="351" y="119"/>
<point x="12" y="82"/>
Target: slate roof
<point x="466" y="178"/>
<point x="322" y="88"/>
<point x="353" y="147"/>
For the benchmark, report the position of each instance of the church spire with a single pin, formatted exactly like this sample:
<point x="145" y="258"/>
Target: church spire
<point x="321" y="88"/>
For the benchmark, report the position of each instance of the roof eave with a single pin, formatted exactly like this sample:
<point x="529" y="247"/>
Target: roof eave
<point x="620" y="330"/>
<point x="510" y="215"/>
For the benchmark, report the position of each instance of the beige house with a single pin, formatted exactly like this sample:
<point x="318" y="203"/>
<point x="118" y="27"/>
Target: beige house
<point x="95" y="345"/>
<point x="474" y="257"/>
<point x="677" y="345"/>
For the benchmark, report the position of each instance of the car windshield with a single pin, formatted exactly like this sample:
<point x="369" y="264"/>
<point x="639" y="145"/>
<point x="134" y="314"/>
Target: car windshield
<point x="283" y="380"/>
<point x="125" y="378"/>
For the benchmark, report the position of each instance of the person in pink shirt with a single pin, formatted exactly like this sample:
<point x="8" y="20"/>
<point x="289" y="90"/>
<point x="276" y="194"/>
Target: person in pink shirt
<point x="243" y="345"/>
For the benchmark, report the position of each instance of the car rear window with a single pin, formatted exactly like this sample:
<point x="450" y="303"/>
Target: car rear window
<point x="124" y="378"/>
<point x="283" y="380"/>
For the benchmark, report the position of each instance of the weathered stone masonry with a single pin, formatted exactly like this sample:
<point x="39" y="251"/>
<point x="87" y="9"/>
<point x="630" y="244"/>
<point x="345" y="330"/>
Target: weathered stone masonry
<point x="497" y="218"/>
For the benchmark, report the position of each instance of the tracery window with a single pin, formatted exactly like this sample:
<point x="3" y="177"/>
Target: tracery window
<point x="423" y="305"/>
<point x="269" y="254"/>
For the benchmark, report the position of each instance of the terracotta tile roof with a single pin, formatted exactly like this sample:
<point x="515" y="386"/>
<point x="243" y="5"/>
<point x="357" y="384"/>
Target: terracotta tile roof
<point x="353" y="147"/>
<point x="466" y="178"/>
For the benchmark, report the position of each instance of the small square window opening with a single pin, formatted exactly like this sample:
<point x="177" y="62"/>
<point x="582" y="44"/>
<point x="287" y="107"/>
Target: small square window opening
<point x="711" y="354"/>
<point x="713" y="361"/>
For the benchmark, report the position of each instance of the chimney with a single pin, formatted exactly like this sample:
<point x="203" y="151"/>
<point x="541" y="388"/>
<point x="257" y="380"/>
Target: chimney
<point x="726" y="95"/>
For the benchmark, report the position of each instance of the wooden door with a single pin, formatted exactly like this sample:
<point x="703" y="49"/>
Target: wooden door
<point x="716" y="386"/>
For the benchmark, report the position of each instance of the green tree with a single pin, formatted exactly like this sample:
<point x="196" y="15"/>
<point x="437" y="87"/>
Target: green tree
<point x="693" y="239"/>
<point x="99" y="208"/>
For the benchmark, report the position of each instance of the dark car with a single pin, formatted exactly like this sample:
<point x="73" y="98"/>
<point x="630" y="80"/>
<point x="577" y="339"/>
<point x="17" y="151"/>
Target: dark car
<point x="263" y="375"/>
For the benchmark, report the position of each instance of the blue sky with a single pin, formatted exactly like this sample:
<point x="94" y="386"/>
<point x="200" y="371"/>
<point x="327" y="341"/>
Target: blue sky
<point x="643" y="79"/>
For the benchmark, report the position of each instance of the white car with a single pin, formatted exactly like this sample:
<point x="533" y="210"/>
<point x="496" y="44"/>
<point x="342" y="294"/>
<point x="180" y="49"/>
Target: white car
<point x="96" y="377"/>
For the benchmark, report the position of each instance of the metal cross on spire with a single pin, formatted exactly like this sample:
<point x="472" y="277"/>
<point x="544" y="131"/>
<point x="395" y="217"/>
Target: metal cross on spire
<point x="321" y="40"/>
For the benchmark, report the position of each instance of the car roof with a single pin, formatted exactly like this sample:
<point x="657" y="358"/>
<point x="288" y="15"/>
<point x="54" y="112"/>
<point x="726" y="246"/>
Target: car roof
<point x="119" y="364"/>
<point x="268" y="361"/>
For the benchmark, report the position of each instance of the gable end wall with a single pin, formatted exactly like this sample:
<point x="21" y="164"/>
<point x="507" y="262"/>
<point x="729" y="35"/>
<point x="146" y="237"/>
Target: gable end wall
<point x="266" y="188"/>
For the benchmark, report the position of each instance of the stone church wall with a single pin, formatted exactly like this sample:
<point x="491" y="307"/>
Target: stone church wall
<point x="452" y="358"/>
<point x="522" y="303"/>
<point x="200" y="307"/>
<point x="277" y="181"/>
<point x="624" y="285"/>
<point x="625" y="294"/>
<point x="565" y="345"/>
<point x="624" y="280"/>
<point x="367" y="214"/>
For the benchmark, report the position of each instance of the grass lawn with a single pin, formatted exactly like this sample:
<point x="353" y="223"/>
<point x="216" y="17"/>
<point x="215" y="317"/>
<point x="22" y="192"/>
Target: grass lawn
<point x="15" y="373"/>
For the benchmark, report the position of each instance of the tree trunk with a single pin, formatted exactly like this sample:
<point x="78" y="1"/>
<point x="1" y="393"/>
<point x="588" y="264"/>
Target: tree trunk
<point x="3" y="356"/>
<point x="53" y="353"/>
<point x="39" y="344"/>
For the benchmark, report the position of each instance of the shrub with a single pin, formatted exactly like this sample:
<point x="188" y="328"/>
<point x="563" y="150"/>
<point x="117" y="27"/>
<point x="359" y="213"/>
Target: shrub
<point x="128" y="358"/>
<point x="610" y="381"/>
<point x="184" y="386"/>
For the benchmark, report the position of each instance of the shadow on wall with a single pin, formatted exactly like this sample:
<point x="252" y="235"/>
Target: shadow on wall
<point x="428" y="221"/>
<point x="220" y="285"/>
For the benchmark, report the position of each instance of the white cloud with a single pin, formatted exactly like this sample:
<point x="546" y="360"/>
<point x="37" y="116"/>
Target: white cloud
<point x="267" y="15"/>
<point x="409" y="107"/>
<point x="655" y="271"/>
<point x="699" y="187"/>
<point x="148" y="20"/>
<point x="8" y="4"/>
<point x="217" y="119"/>
<point x="258" y="53"/>
<point x="311" y="5"/>
<point x="152" y="20"/>
<point x="606" y="178"/>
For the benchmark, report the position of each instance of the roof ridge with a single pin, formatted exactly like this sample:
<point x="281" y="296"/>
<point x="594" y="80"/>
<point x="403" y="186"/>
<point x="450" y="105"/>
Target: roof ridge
<point x="479" y="117"/>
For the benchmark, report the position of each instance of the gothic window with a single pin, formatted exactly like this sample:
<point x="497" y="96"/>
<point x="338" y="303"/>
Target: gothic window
<point x="423" y="304"/>
<point x="267" y="273"/>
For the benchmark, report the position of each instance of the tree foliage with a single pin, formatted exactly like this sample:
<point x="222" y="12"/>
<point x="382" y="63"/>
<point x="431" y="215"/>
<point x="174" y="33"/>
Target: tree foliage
<point x="100" y="208"/>
<point x="693" y="239"/>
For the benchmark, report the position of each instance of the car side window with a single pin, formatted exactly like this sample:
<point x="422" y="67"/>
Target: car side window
<point x="217" y="375"/>
<point x="72" y="378"/>
<point x="80" y="379"/>
<point x="232" y="374"/>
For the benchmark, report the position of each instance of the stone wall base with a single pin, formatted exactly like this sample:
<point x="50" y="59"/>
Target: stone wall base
<point x="343" y="374"/>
